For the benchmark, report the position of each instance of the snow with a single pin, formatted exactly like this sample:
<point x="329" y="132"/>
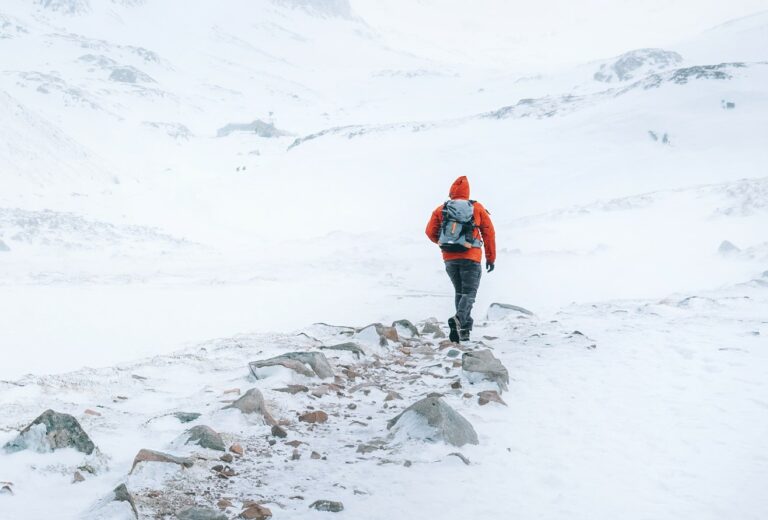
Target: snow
<point x="180" y="189"/>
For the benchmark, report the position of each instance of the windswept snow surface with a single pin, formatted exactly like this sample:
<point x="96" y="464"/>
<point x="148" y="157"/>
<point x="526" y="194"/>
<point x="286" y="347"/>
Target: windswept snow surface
<point x="171" y="174"/>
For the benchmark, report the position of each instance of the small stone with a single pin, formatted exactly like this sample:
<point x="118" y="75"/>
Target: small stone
<point x="293" y="389"/>
<point x="237" y="449"/>
<point x="295" y="455"/>
<point x="453" y="353"/>
<point x="254" y="511"/>
<point x="6" y="490"/>
<point x="227" y="457"/>
<point x="279" y="431"/>
<point x="392" y="395"/>
<point x="327" y="505"/>
<point x="315" y="455"/>
<point x="488" y="396"/>
<point x="295" y="444"/>
<point x="88" y="411"/>
<point x="78" y="477"/>
<point x="456" y="385"/>
<point x="200" y="513"/>
<point x="351" y="406"/>
<point x="185" y="417"/>
<point x="318" y="416"/>
<point x="121" y="494"/>
<point x="407" y="463"/>
<point x="224" y="503"/>
<point x="235" y="391"/>
<point x="483" y="364"/>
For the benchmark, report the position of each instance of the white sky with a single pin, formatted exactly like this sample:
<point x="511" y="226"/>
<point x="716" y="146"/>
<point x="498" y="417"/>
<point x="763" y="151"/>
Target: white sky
<point x="544" y="32"/>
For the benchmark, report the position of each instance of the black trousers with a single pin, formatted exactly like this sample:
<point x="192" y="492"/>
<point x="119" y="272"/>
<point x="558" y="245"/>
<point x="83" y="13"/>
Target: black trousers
<point x="465" y="276"/>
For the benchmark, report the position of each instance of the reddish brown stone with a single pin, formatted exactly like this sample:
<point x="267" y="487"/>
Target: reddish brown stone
<point x="318" y="416"/>
<point x="237" y="449"/>
<point x="254" y="511"/>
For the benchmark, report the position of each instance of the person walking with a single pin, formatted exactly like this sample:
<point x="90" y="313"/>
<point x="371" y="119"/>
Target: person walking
<point x="462" y="228"/>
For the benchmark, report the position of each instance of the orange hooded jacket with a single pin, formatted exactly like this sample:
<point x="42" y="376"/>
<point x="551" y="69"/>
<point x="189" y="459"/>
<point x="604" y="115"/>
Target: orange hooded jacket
<point x="484" y="226"/>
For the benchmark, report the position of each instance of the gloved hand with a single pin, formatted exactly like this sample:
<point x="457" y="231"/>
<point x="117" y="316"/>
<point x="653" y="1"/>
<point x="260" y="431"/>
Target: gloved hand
<point x="489" y="267"/>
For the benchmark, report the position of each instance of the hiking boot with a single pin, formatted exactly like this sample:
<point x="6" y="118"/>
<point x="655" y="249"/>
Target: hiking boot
<point x="454" y="325"/>
<point x="464" y="335"/>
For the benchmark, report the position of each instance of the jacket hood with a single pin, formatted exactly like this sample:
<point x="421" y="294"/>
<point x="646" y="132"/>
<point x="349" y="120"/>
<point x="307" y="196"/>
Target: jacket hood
<point x="459" y="189"/>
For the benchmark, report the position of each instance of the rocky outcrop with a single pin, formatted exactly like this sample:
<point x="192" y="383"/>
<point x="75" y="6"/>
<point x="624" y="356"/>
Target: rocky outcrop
<point x="482" y="364"/>
<point x="252" y="402"/>
<point x="52" y="431"/>
<point x="308" y="364"/>
<point x="205" y="437"/>
<point x="442" y="422"/>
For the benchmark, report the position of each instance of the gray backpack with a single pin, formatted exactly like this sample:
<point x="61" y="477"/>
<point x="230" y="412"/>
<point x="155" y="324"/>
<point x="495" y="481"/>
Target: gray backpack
<point x="458" y="228"/>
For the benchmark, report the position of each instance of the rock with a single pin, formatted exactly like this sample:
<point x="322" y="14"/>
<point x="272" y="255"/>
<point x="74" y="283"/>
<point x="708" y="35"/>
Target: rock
<point x="456" y="385"/>
<point x="727" y="248"/>
<point x="200" y="513"/>
<point x="254" y="511"/>
<point x="6" y="489"/>
<point x="293" y="389"/>
<point x="352" y="347"/>
<point x="122" y="495"/>
<point x="392" y="395"/>
<point x="327" y="505"/>
<point x="145" y="455"/>
<point x="279" y="431"/>
<point x="52" y="431"/>
<point x="315" y="455"/>
<point x="205" y="437"/>
<point x="445" y="423"/>
<point x="88" y="411"/>
<point x="253" y="402"/>
<point x="405" y="329"/>
<point x="78" y="477"/>
<point x="432" y="326"/>
<point x="488" y="396"/>
<point x="498" y="311"/>
<point x="295" y="455"/>
<point x="483" y="364"/>
<point x="453" y="353"/>
<point x="305" y="363"/>
<point x="227" y="457"/>
<point x="378" y="333"/>
<point x="186" y="417"/>
<point x="460" y="456"/>
<point x="318" y="416"/>
<point x="237" y="449"/>
<point x="224" y="503"/>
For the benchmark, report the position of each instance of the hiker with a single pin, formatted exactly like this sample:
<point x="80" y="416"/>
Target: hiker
<point x="462" y="227"/>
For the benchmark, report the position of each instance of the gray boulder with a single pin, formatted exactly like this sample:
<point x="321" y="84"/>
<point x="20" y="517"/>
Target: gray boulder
<point x="498" y="311"/>
<point x="447" y="424"/>
<point x="52" y="431"/>
<point x="305" y="363"/>
<point x="431" y="326"/>
<point x="330" y="506"/>
<point x="253" y="402"/>
<point x="484" y="365"/>
<point x="200" y="513"/>
<point x="205" y="437"/>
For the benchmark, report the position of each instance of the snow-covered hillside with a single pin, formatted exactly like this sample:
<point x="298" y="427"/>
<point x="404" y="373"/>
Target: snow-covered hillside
<point x="173" y="172"/>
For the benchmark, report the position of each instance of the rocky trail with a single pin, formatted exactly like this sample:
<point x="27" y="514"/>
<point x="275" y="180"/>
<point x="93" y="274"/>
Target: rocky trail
<point x="384" y="420"/>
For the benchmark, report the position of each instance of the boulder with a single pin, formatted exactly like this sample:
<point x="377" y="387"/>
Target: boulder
<point x="498" y="311"/>
<point x="279" y="431"/>
<point x="305" y="363"/>
<point x="200" y="513"/>
<point x="405" y="329"/>
<point x="431" y="326"/>
<point x="205" y="437"/>
<point x="483" y="364"/>
<point x="145" y="455"/>
<point x="253" y="402"/>
<point x="52" y="431"/>
<point x="117" y="505"/>
<point x="443" y="423"/>
<point x="330" y="506"/>
<point x="349" y="346"/>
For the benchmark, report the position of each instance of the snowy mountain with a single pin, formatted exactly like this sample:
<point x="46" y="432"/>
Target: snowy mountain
<point x="173" y="171"/>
